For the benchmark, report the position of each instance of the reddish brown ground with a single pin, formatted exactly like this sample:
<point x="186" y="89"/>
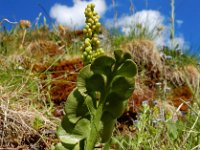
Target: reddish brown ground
<point x="63" y="77"/>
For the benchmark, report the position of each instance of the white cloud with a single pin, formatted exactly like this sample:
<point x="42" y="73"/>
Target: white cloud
<point x="151" y="20"/>
<point x="73" y="16"/>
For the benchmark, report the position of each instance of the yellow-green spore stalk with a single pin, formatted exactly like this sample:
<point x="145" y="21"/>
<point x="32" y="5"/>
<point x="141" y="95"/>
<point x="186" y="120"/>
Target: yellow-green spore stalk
<point x="91" y="47"/>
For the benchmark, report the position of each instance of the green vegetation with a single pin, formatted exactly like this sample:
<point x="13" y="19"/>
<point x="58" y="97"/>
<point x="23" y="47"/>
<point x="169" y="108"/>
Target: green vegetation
<point x="39" y="66"/>
<point x="154" y="133"/>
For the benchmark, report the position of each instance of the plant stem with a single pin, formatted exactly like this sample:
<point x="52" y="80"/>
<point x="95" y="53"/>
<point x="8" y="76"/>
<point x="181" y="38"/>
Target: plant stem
<point x="91" y="140"/>
<point x="23" y="38"/>
<point x="107" y="145"/>
<point x="189" y="133"/>
<point x="95" y="128"/>
<point x="172" y="24"/>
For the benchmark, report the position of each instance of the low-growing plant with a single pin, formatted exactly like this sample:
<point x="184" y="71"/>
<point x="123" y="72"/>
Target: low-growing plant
<point x="140" y="31"/>
<point x="176" y="56"/>
<point x="160" y="133"/>
<point x="37" y="123"/>
<point x="101" y="95"/>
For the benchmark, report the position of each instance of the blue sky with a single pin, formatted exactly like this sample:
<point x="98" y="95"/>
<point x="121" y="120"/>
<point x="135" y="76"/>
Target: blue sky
<point x="187" y="13"/>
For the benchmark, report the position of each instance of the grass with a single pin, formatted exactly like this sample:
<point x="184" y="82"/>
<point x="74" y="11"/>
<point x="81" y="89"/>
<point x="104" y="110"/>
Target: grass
<point x="27" y="117"/>
<point x="154" y="133"/>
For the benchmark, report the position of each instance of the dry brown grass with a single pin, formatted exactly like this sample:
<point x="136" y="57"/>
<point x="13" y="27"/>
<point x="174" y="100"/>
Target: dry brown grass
<point x="41" y="48"/>
<point x="188" y="74"/>
<point x="16" y="122"/>
<point x="144" y="53"/>
<point x="68" y="36"/>
<point x="192" y="76"/>
<point x="174" y="75"/>
<point x="19" y="107"/>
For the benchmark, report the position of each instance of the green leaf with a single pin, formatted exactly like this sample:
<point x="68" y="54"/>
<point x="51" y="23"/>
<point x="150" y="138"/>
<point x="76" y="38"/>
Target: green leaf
<point x="115" y="105"/>
<point x="58" y="146"/>
<point x="66" y="126"/>
<point x="122" y="86"/>
<point x="70" y="139"/>
<point x="102" y="65"/>
<point x="77" y="147"/>
<point x="75" y="106"/>
<point x="172" y="130"/>
<point x="67" y="138"/>
<point x="96" y="83"/>
<point x="83" y="76"/>
<point x="71" y="135"/>
<point x="90" y="105"/>
<point x="120" y="56"/>
<point x="82" y="127"/>
<point x="127" y="56"/>
<point x="127" y="69"/>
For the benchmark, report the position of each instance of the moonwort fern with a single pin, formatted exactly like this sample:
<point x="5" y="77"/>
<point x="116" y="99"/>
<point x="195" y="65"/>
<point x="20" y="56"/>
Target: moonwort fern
<point x="92" y="108"/>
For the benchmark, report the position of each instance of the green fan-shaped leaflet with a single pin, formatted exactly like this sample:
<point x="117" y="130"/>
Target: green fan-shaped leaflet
<point x="61" y="146"/>
<point x="58" y="146"/>
<point x="121" y="56"/>
<point x="65" y="125"/>
<point x="82" y="127"/>
<point x="108" y="123"/>
<point x="122" y="86"/>
<point x="69" y="140"/>
<point x="115" y="105"/>
<point x="127" y="56"/>
<point x="89" y="83"/>
<point x="75" y="107"/>
<point x="102" y="65"/>
<point x="127" y="69"/>
<point x="83" y="76"/>
<point x="70" y="134"/>
<point x="96" y="83"/>
<point x="118" y="55"/>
